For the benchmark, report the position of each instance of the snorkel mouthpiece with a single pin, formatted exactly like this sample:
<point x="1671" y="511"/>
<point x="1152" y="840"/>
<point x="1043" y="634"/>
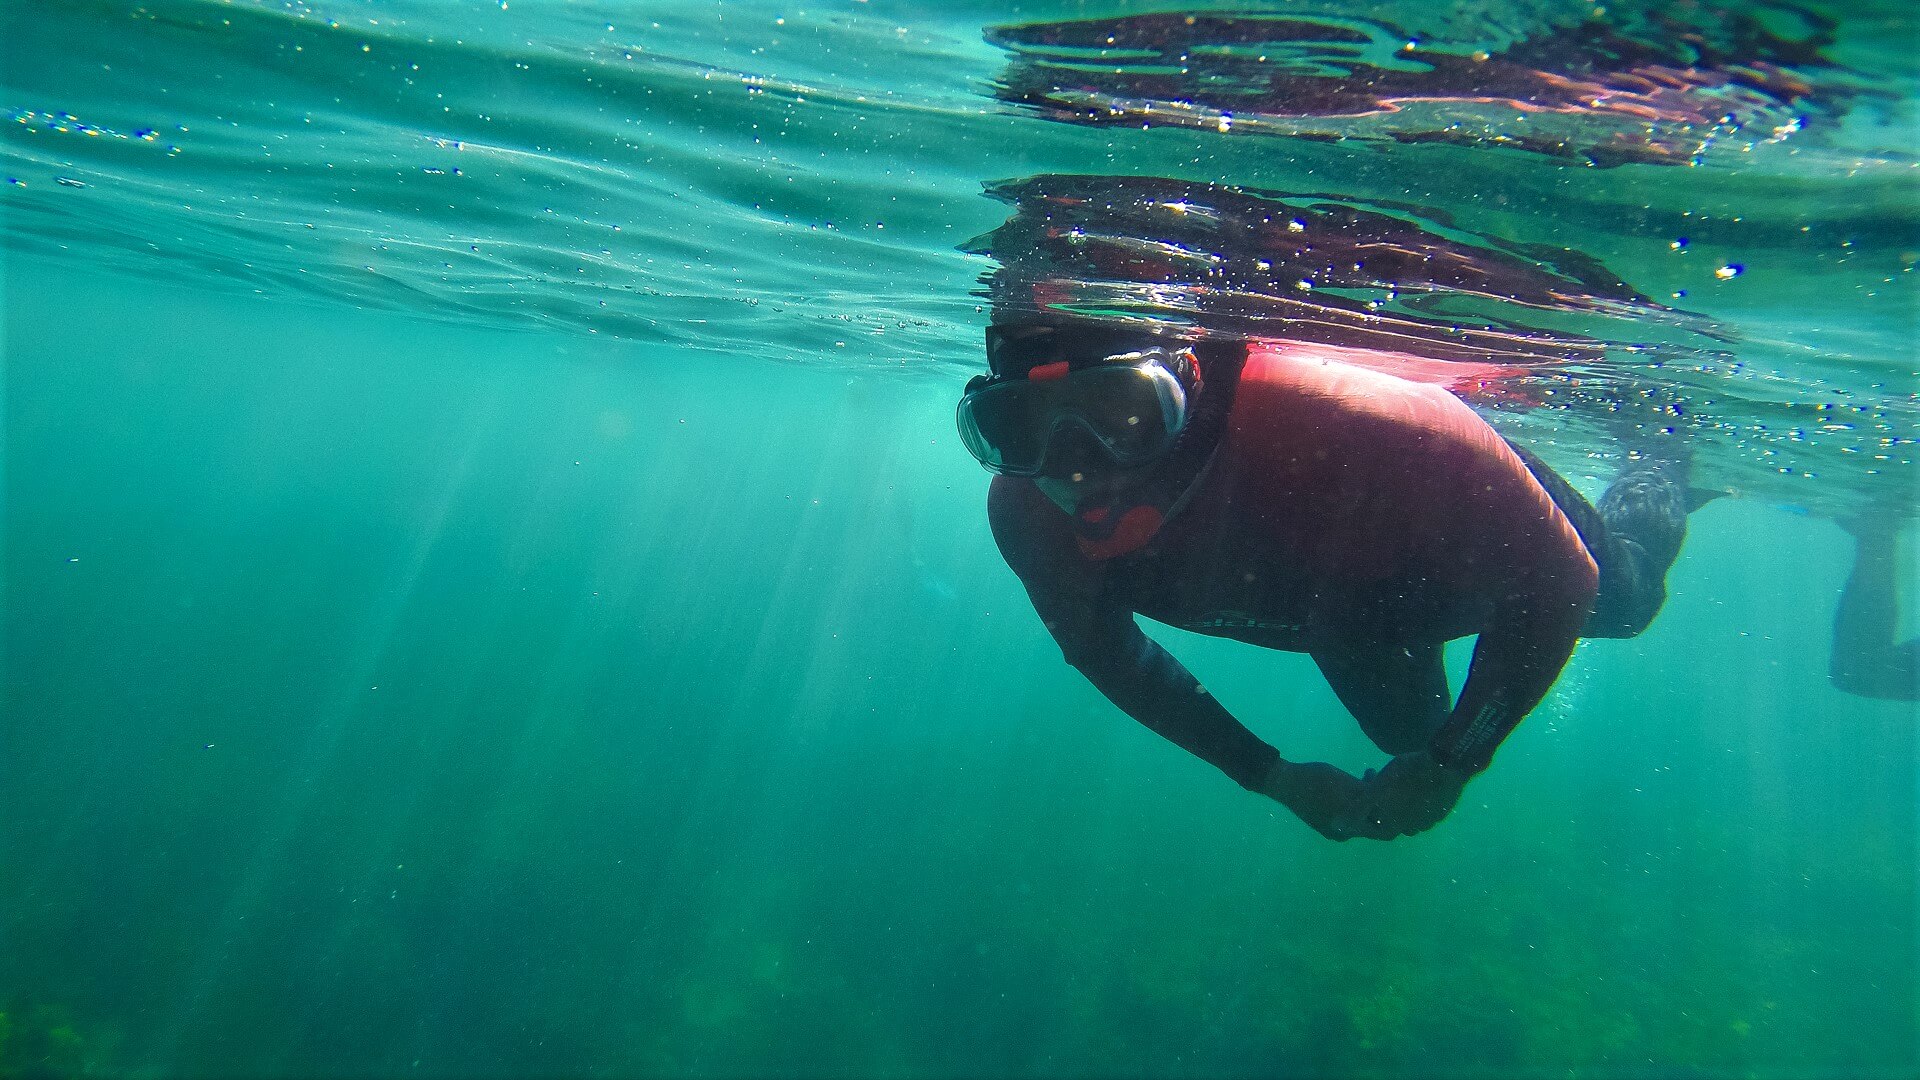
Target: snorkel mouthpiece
<point x="1104" y="534"/>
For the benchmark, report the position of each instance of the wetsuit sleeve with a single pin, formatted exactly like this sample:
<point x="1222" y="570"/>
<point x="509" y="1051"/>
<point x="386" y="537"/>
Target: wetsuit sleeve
<point x="1098" y="636"/>
<point x="1517" y="658"/>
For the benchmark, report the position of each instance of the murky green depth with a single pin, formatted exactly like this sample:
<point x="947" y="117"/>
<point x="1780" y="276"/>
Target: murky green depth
<point x="386" y="698"/>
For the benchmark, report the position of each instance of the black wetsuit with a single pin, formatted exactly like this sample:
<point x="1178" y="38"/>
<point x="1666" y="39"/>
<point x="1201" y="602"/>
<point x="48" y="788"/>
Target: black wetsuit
<point x="1865" y="660"/>
<point x="1366" y="521"/>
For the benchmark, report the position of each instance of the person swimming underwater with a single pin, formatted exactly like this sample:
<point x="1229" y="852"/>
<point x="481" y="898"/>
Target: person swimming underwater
<point x="1282" y="495"/>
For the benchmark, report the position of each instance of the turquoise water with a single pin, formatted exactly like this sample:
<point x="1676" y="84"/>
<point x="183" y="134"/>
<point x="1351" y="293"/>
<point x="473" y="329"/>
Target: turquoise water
<point x="492" y="588"/>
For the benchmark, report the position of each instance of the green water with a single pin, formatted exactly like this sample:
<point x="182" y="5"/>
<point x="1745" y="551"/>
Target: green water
<point x="414" y="668"/>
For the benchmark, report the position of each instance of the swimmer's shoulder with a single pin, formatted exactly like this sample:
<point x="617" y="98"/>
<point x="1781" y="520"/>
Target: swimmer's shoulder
<point x="1293" y="390"/>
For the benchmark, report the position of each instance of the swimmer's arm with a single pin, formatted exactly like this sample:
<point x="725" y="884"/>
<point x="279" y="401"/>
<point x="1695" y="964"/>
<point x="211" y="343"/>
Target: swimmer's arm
<point x="1148" y="684"/>
<point x="1542" y="581"/>
<point x="1098" y="636"/>
<point x="1515" y="663"/>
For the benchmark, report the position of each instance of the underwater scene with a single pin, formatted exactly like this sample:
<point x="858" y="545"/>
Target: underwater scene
<point x="889" y="539"/>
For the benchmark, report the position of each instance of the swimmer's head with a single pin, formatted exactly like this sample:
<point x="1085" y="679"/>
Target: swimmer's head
<point x="1078" y="404"/>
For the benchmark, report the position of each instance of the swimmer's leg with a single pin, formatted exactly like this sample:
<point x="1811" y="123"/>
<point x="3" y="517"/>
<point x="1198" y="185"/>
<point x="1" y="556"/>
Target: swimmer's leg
<point x="1643" y="515"/>
<point x="1633" y="534"/>
<point x="1865" y="660"/>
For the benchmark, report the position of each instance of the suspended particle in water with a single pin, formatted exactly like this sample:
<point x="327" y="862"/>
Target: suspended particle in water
<point x="1731" y="270"/>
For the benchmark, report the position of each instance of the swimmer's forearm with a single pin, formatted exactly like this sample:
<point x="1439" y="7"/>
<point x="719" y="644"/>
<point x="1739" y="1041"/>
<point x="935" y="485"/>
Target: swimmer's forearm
<point x="1517" y="659"/>
<point x="1511" y="673"/>
<point x="1148" y="684"/>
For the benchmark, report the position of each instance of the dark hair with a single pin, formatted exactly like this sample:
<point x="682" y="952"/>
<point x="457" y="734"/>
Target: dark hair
<point x="1013" y="349"/>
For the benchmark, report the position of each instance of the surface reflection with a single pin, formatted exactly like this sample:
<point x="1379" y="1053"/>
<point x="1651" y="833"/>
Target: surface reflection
<point x="1660" y="86"/>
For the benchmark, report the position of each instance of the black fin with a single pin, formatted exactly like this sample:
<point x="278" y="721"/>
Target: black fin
<point x="1699" y="497"/>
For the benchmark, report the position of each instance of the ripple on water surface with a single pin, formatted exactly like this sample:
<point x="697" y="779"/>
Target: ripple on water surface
<point x="803" y="185"/>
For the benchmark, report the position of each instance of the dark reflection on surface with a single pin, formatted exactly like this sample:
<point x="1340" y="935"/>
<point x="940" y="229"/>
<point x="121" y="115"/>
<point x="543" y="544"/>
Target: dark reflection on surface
<point x="1438" y="303"/>
<point x="1661" y="86"/>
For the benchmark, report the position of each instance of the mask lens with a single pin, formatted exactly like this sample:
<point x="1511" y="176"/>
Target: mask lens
<point x="1132" y="410"/>
<point x="1005" y="426"/>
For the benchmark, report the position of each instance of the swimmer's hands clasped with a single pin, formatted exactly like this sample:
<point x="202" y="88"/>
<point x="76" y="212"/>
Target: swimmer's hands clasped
<point x="1411" y="794"/>
<point x="1321" y="795"/>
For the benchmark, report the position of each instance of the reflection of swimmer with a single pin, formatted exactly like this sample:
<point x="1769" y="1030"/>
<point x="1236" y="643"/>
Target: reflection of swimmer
<point x="1657" y="86"/>
<point x="1866" y="661"/>
<point x="1270" y="493"/>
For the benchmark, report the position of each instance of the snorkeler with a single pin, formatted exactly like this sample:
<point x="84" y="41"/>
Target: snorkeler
<point x="1866" y="661"/>
<point x="1277" y="494"/>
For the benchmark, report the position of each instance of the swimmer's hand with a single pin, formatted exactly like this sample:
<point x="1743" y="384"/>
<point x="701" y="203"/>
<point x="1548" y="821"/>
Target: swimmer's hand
<point x="1410" y="795"/>
<point x="1318" y="794"/>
